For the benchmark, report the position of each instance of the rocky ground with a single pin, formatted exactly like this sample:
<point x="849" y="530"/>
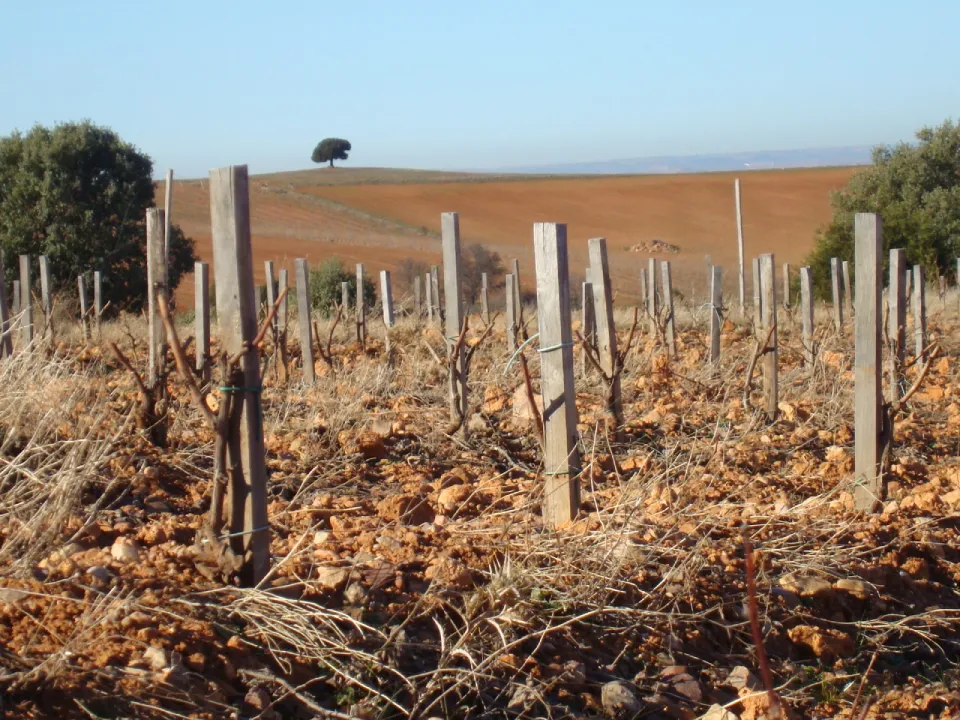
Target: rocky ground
<point x="412" y="576"/>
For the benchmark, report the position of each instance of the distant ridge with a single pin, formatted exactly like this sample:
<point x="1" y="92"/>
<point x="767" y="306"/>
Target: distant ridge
<point x="757" y="160"/>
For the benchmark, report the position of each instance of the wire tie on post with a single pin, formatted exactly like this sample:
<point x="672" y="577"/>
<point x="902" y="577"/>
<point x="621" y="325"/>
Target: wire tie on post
<point x="240" y="389"/>
<point x="558" y="346"/>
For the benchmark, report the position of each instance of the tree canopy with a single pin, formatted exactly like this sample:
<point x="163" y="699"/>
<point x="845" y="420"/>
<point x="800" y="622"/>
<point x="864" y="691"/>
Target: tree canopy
<point x="78" y="194"/>
<point x="331" y="149"/>
<point x="916" y="190"/>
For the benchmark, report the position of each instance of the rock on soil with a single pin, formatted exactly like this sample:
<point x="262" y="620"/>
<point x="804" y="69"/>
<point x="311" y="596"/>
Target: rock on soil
<point x="620" y="700"/>
<point x="826" y="644"/>
<point x="125" y="551"/>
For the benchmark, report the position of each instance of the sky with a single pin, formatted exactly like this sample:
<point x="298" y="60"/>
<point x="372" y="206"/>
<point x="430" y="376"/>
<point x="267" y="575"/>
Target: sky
<point x="475" y="85"/>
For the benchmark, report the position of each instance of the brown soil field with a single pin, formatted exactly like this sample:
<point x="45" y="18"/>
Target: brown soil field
<point x="382" y="216"/>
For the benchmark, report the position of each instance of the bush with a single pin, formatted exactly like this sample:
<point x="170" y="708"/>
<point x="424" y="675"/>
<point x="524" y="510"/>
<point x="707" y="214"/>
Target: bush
<point x="325" y="292"/>
<point x="916" y="190"/>
<point x="78" y="194"/>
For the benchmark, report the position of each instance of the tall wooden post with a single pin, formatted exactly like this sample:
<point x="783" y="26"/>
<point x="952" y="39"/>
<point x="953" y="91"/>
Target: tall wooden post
<point x="768" y="306"/>
<point x="301" y="273"/>
<point x="588" y="323"/>
<point x="46" y="295"/>
<point x="26" y="301"/>
<point x="757" y="297"/>
<point x="283" y="281"/>
<point x="806" y="314"/>
<point x="84" y="310"/>
<point x="201" y="302"/>
<point x="590" y="333"/>
<point x="837" y="288"/>
<point x="16" y="302"/>
<point x="361" y="319"/>
<point x="98" y="302"/>
<point x="561" y="458"/>
<point x="386" y="298"/>
<point x="920" y="311"/>
<point x="517" y="300"/>
<point x="847" y="290"/>
<point x="435" y="284"/>
<point x="237" y="320"/>
<point x="786" y="286"/>
<point x="484" y="299"/>
<point x="417" y="296"/>
<point x="652" y="295"/>
<point x="271" y="295"/>
<point x="602" y="302"/>
<point x="428" y="294"/>
<point x="644" y="296"/>
<point x="740" y="274"/>
<point x="670" y="328"/>
<point x="156" y="283"/>
<point x="897" y="319"/>
<point x="167" y="219"/>
<point x="6" y="342"/>
<point x="716" y="308"/>
<point x="453" y="297"/>
<point x="868" y="370"/>
<point x="908" y="287"/>
<point x="511" y="314"/>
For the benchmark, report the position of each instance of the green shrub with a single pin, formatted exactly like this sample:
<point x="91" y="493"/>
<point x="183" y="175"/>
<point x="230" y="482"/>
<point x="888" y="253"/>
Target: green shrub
<point x="325" y="292"/>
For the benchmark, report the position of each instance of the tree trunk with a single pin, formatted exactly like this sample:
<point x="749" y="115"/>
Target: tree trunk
<point x="331" y="162"/>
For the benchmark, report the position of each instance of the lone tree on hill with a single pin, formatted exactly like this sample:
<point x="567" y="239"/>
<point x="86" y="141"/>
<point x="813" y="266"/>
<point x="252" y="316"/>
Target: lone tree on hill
<point x="916" y="190"/>
<point x="331" y="149"/>
<point x="78" y="194"/>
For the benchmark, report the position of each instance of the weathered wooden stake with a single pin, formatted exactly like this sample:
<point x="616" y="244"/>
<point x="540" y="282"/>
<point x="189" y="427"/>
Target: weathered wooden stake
<point x="652" y="295"/>
<point x="644" y="295"/>
<point x="435" y="284"/>
<point x="920" y="312"/>
<point x="283" y="281"/>
<point x="561" y="458"/>
<point x="867" y="364"/>
<point x="897" y="319"/>
<point x="670" y="328"/>
<point x="6" y="342"/>
<point x="301" y="273"/>
<point x="768" y="309"/>
<point x="484" y="299"/>
<point x="386" y="298"/>
<point x="786" y="286"/>
<point x="908" y="286"/>
<point x="602" y="302"/>
<point x="847" y="290"/>
<point x="361" y="318"/>
<point x="237" y="320"/>
<point x="453" y="297"/>
<point x="271" y="295"/>
<point x="517" y="304"/>
<point x="716" y="310"/>
<point x="428" y="294"/>
<point x="84" y="310"/>
<point x="511" y="314"/>
<point x="167" y="219"/>
<point x="16" y="301"/>
<point x="806" y="315"/>
<point x="740" y="274"/>
<point x="98" y="302"/>
<point x="156" y="283"/>
<point x="757" y="298"/>
<point x="201" y="302"/>
<point x="46" y="296"/>
<point x="837" y="287"/>
<point x="26" y="301"/>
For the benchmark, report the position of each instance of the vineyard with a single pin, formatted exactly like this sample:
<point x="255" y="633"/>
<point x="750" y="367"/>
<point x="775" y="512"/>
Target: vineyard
<point x="435" y="510"/>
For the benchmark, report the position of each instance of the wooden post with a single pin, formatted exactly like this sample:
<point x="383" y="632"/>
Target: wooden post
<point x="417" y="295"/>
<point x="156" y="283"/>
<point x="716" y="308"/>
<point x="806" y="313"/>
<point x="46" y="296"/>
<point x="867" y="366"/>
<point x="301" y="274"/>
<point x="98" y="302"/>
<point x="283" y="280"/>
<point x="517" y="304"/>
<point x="386" y="298"/>
<point x="896" y="319"/>
<point x="919" y="312"/>
<point x="768" y="309"/>
<point x="670" y="328"/>
<point x="511" y="314"/>
<point x="6" y="342"/>
<point x="786" y="286"/>
<point x="590" y="333"/>
<point x="757" y="298"/>
<point x="201" y="302"/>
<point x="740" y="274"/>
<point x="588" y="323"/>
<point x="453" y="301"/>
<point x="602" y="302"/>
<point x="84" y="310"/>
<point x="561" y="458"/>
<point x="908" y="287"/>
<point x="484" y="299"/>
<point x="361" y="318"/>
<point x="26" y="301"/>
<point x="16" y="301"/>
<point x="237" y="320"/>
<point x="271" y="295"/>
<point x="837" y="288"/>
<point x="847" y="290"/>
<point x="167" y="215"/>
<point x="435" y="283"/>
<point x="428" y="294"/>
<point x="652" y="295"/>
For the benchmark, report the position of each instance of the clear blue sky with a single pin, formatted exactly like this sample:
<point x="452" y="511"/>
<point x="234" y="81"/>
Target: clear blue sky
<point x="482" y="84"/>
